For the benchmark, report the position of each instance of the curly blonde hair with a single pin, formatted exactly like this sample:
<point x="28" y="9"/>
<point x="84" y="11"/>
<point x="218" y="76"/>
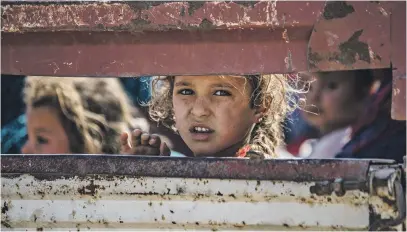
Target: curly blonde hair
<point x="270" y="92"/>
<point x="93" y="111"/>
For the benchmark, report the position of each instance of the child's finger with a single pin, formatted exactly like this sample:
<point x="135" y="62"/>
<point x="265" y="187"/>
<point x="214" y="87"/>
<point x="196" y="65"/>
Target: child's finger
<point x="164" y="150"/>
<point x="144" y="139"/>
<point x="136" y="137"/>
<point x="124" y="142"/>
<point x="155" y="141"/>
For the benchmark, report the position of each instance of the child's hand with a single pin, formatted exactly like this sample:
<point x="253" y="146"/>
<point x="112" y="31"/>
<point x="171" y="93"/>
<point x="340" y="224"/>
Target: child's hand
<point x="143" y="144"/>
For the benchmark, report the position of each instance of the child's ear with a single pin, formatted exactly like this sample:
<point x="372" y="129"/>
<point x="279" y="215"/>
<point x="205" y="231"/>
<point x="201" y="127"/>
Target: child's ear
<point x="259" y="114"/>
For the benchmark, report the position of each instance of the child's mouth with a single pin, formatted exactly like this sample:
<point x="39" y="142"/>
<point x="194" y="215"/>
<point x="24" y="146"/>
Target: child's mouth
<point x="200" y="133"/>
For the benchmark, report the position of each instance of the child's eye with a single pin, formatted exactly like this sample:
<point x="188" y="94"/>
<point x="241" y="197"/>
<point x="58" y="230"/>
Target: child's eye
<point x="222" y="93"/>
<point x="332" y="85"/>
<point x="41" y="140"/>
<point x="186" y="92"/>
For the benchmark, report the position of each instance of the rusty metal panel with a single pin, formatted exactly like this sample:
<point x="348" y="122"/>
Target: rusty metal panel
<point x="398" y="37"/>
<point x="351" y="35"/>
<point x="151" y="53"/>
<point x="157" y="38"/>
<point x="44" y="198"/>
<point x="155" y="16"/>
<point x="293" y="170"/>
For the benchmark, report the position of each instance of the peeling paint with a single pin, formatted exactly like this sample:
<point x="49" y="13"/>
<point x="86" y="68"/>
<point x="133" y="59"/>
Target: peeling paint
<point x="337" y="9"/>
<point x="119" y="196"/>
<point x="117" y="201"/>
<point x="125" y="16"/>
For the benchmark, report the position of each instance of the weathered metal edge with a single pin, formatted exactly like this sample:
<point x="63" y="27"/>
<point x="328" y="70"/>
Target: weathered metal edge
<point x="22" y="16"/>
<point x="221" y="168"/>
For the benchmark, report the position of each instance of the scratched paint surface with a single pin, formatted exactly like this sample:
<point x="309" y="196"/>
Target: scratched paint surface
<point x="136" y="16"/>
<point x="125" y="202"/>
<point x="351" y="35"/>
<point x="96" y="191"/>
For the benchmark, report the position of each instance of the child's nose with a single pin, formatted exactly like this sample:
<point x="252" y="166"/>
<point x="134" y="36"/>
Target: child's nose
<point x="200" y="107"/>
<point x="26" y="148"/>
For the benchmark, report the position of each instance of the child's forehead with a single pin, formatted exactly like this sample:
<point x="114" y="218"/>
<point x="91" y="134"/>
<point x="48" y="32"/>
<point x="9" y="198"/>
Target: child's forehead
<point x="338" y="77"/>
<point x="212" y="79"/>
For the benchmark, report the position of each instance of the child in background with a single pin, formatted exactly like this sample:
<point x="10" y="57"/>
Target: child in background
<point x="76" y="115"/>
<point x="333" y="102"/>
<point x="375" y="135"/>
<point x="217" y="116"/>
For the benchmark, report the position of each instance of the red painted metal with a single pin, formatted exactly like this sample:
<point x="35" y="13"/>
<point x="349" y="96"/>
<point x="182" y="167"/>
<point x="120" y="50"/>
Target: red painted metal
<point x="351" y="35"/>
<point x="168" y="38"/>
<point x="156" y="16"/>
<point x="398" y="39"/>
<point x="156" y="38"/>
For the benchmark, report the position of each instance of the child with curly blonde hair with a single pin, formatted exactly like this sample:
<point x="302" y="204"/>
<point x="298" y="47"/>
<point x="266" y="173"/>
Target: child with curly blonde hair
<point x="217" y="116"/>
<point x="76" y="115"/>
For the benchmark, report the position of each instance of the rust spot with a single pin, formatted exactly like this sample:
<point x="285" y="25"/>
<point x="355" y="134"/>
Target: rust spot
<point x="313" y="58"/>
<point x="90" y="189"/>
<point x="193" y="6"/>
<point x="5" y="224"/>
<point x="337" y="9"/>
<point x="206" y="24"/>
<point x="182" y="13"/>
<point x="139" y="24"/>
<point x="353" y="47"/>
<point x="5" y="208"/>
<point x="247" y="3"/>
<point x="180" y="190"/>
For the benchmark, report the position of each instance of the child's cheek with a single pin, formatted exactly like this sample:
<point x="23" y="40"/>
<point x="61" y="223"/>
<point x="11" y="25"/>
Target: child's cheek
<point x="182" y="104"/>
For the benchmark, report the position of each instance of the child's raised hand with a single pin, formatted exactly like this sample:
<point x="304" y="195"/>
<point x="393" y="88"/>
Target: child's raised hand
<point x="143" y="144"/>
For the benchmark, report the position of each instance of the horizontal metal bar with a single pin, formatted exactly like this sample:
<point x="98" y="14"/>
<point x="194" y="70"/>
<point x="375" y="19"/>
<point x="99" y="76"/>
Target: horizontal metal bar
<point x="46" y="166"/>
<point x="155" y="15"/>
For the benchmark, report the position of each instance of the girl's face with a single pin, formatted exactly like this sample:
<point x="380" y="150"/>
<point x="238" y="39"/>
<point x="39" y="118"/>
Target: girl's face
<point x="331" y="101"/>
<point x="46" y="134"/>
<point x="213" y="113"/>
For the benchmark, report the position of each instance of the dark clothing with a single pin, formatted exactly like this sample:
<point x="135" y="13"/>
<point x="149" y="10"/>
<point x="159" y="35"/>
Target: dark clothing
<point x="376" y="135"/>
